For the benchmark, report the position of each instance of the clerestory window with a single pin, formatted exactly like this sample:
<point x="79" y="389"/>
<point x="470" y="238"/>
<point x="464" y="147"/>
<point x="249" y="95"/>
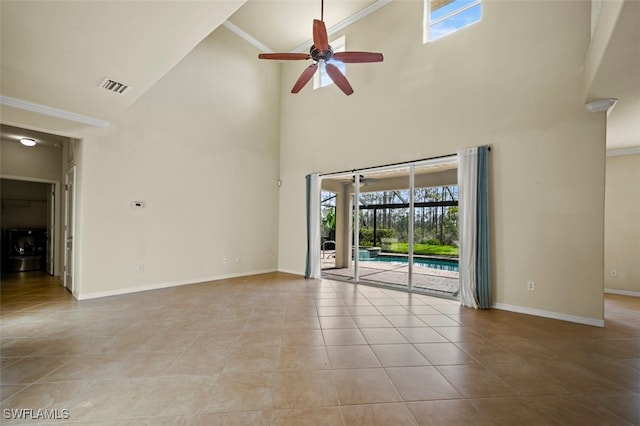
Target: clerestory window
<point x="443" y="17"/>
<point x="321" y="78"/>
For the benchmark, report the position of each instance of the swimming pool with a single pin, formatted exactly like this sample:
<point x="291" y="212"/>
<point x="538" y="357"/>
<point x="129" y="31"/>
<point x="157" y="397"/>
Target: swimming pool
<point x="423" y="262"/>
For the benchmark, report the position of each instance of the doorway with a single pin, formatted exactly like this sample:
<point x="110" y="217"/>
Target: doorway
<point x="29" y="222"/>
<point x="393" y="226"/>
<point x="44" y="164"/>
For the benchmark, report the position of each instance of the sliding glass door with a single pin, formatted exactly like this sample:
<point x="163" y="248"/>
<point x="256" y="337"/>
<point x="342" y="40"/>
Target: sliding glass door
<point x="394" y="226"/>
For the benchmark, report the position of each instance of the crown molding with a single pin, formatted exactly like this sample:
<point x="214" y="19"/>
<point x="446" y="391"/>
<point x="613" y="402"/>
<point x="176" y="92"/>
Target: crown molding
<point x="305" y="46"/>
<point x="345" y="23"/>
<point x="53" y="112"/>
<point x="247" y="37"/>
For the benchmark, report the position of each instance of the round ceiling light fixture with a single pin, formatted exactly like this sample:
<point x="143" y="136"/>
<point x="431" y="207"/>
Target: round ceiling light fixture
<point x="28" y="141"/>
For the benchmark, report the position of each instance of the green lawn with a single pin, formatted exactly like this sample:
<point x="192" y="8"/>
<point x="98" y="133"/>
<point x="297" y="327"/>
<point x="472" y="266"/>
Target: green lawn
<point x="425" y="249"/>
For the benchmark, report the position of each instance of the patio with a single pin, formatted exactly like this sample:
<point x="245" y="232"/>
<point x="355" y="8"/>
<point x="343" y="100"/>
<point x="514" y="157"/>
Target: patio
<point x="395" y="274"/>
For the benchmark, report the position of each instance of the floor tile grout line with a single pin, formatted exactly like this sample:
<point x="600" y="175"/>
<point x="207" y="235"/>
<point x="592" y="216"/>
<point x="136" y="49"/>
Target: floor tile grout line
<point x="589" y="339"/>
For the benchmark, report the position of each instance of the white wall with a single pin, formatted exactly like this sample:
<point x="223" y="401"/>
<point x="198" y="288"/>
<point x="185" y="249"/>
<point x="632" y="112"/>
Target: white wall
<point x="622" y="225"/>
<point x="38" y="162"/>
<point x="512" y="81"/>
<point x="201" y="150"/>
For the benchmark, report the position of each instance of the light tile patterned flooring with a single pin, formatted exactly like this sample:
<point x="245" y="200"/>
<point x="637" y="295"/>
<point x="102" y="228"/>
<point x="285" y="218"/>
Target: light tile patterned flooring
<point x="277" y="349"/>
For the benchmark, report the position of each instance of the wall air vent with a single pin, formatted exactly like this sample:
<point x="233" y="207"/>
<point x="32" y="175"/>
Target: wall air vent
<point x="114" y="86"/>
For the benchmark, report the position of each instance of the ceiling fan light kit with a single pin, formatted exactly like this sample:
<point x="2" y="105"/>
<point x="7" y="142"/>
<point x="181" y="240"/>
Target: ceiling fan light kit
<point x="321" y="51"/>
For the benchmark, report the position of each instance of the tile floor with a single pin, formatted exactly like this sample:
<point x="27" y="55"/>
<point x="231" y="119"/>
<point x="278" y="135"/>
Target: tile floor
<point x="277" y="349"/>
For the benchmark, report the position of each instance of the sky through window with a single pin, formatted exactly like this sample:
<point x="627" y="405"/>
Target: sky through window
<point x="447" y="16"/>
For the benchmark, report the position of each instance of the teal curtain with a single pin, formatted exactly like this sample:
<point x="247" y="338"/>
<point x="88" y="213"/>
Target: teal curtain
<point x="312" y="269"/>
<point x="483" y="249"/>
<point x="473" y="226"/>
<point x="307" y="271"/>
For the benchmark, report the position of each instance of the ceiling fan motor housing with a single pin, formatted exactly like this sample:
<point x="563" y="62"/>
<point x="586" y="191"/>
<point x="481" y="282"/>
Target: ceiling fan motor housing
<point x="317" y="55"/>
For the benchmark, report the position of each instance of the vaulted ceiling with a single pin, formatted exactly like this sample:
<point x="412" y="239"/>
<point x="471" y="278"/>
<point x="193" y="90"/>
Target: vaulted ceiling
<point x="285" y="26"/>
<point x="619" y="77"/>
<point x="56" y="54"/>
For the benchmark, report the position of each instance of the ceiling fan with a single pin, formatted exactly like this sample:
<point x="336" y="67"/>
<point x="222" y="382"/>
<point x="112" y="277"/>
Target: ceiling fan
<point x="321" y="51"/>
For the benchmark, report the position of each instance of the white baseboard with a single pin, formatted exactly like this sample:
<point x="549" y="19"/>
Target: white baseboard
<point x="547" y="314"/>
<point x="622" y="292"/>
<point x="623" y="151"/>
<point x="291" y="272"/>
<point x="158" y="286"/>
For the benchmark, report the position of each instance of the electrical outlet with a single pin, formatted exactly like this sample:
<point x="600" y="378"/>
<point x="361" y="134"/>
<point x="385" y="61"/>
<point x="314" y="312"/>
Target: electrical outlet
<point x="531" y="286"/>
<point x="613" y="273"/>
<point x="237" y="259"/>
<point x="225" y="260"/>
<point x="140" y="267"/>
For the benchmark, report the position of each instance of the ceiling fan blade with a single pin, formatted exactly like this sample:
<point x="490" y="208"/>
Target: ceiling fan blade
<point x="284" y="56"/>
<point x="358" y="57"/>
<point x="339" y="79"/>
<point x="304" y="78"/>
<point x="320" y="37"/>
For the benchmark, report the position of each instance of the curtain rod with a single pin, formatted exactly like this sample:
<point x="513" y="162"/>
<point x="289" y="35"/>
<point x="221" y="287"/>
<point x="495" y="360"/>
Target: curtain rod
<point x="389" y="165"/>
<point x="393" y="164"/>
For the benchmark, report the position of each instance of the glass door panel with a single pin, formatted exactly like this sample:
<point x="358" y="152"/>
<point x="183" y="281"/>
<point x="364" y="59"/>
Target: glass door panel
<point x="336" y="210"/>
<point x="384" y="227"/>
<point x="435" y="248"/>
<point x="327" y="230"/>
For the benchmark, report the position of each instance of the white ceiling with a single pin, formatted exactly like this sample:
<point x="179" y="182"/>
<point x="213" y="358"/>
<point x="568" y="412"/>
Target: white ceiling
<point x="14" y="134"/>
<point x="619" y="77"/>
<point x="54" y="54"/>
<point x="286" y="26"/>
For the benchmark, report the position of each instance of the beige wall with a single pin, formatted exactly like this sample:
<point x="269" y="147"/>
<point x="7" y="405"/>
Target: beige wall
<point x="505" y="82"/>
<point x="204" y="148"/>
<point x="622" y="224"/>
<point x="24" y="204"/>
<point x="38" y="162"/>
<point x="201" y="150"/>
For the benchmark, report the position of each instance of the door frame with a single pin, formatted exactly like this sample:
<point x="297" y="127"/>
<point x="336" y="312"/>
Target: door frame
<point x="52" y="230"/>
<point x="56" y="223"/>
<point x="68" y="272"/>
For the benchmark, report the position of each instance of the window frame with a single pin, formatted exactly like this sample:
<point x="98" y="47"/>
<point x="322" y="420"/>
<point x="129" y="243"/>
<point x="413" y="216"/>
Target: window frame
<point x="428" y="23"/>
